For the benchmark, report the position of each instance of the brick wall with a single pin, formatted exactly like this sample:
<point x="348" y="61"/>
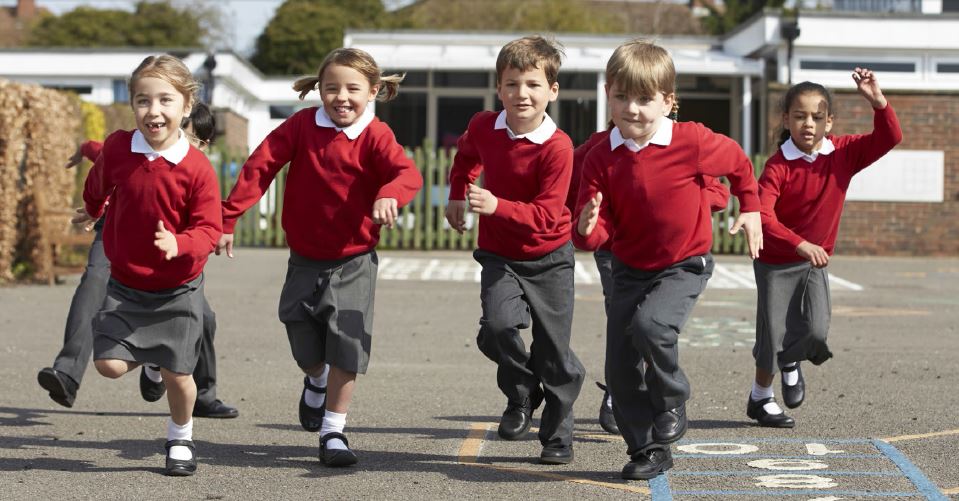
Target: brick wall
<point x="231" y="131"/>
<point x="929" y="122"/>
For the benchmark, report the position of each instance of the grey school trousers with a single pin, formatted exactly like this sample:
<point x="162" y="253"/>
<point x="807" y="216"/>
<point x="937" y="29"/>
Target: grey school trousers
<point x="647" y="312"/>
<point x="87" y="299"/>
<point x="539" y="293"/>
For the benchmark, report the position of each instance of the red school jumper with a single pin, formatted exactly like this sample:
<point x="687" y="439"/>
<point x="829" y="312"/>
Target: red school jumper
<point x="803" y="200"/>
<point x="529" y="180"/>
<point x="330" y="187"/>
<point x="185" y="196"/>
<point x="653" y="198"/>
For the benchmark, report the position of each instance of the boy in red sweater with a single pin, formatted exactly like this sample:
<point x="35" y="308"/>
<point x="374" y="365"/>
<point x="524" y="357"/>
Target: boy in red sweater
<point x="644" y="189"/>
<point x="524" y="247"/>
<point x="802" y="190"/>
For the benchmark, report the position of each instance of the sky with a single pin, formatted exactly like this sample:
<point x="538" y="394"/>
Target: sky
<point x="245" y="19"/>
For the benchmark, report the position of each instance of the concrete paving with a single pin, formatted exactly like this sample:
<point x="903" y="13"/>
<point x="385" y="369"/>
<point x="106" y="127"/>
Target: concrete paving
<point x="879" y="420"/>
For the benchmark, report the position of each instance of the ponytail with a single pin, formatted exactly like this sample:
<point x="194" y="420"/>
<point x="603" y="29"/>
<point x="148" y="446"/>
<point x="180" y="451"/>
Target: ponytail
<point x="389" y="87"/>
<point x="305" y="85"/>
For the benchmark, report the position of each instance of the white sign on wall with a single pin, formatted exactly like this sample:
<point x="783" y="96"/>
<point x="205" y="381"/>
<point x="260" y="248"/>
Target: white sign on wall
<point x="901" y="176"/>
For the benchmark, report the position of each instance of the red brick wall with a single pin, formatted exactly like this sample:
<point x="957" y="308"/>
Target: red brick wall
<point x="929" y="122"/>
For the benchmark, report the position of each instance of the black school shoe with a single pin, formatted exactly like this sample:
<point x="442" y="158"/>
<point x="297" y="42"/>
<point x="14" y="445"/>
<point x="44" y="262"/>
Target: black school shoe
<point x="179" y="467"/>
<point x="216" y="410"/>
<point x="606" y="418"/>
<point x="794" y="395"/>
<point x="755" y="410"/>
<point x="336" y="457"/>
<point x="150" y="391"/>
<point x="311" y="418"/>
<point x="62" y="388"/>
<point x="556" y="454"/>
<point x="648" y="465"/>
<point x="670" y="426"/>
<point x="517" y="418"/>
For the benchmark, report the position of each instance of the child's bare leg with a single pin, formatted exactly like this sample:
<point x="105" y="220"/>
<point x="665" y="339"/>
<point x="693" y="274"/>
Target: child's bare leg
<point x="339" y="396"/>
<point x="113" y="368"/>
<point x="181" y="395"/>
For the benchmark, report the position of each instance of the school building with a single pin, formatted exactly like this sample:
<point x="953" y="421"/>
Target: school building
<point x="906" y="204"/>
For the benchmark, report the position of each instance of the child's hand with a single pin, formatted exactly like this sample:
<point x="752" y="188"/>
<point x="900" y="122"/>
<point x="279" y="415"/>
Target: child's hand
<point x="385" y="211"/>
<point x="481" y="201"/>
<point x="456" y="215"/>
<point x="813" y="253"/>
<point x="75" y="160"/>
<point x="752" y="223"/>
<point x="869" y="87"/>
<point x="590" y="215"/>
<point x="165" y="241"/>
<point x="86" y="221"/>
<point x="225" y="242"/>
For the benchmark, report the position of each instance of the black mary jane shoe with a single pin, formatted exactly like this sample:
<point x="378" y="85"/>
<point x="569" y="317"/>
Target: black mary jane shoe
<point x="179" y="467"/>
<point x="648" y="465"/>
<point x="793" y="395"/>
<point x="755" y="410"/>
<point x="669" y="426"/>
<point x="517" y="418"/>
<point x="607" y="420"/>
<point x="336" y="457"/>
<point x="150" y="391"/>
<point x="62" y="388"/>
<point x="311" y="418"/>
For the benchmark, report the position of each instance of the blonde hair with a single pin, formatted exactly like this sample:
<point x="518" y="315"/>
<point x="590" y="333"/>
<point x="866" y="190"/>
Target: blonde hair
<point x="360" y="61"/>
<point x="170" y="70"/>
<point x="531" y="52"/>
<point x="642" y="68"/>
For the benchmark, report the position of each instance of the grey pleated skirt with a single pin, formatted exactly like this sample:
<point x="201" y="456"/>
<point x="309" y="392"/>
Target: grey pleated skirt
<point x="161" y="328"/>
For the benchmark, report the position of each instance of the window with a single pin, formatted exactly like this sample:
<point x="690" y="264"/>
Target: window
<point x="78" y="89"/>
<point x="406" y="115"/>
<point x="473" y="79"/>
<point x="947" y="67"/>
<point x="453" y="115"/>
<point x="121" y="93"/>
<point x="577" y="81"/>
<point x="577" y="118"/>
<point x="850" y="65"/>
<point x="281" y="112"/>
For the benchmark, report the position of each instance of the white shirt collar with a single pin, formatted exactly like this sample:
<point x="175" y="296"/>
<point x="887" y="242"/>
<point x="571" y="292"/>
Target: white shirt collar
<point x="538" y="135"/>
<point x="792" y="152"/>
<point x="663" y="136"/>
<point x="352" y="131"/>
<point x="175" y="154"/>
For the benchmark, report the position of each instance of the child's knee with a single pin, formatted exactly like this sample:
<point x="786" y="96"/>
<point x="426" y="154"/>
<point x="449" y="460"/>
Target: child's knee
<point x="177" y="380"/>
<point x="111" y="368"/>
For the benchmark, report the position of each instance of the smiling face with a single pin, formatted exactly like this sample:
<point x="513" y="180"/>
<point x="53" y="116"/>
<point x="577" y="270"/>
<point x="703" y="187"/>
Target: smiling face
<point x="159" y="110"/>
<point x="525" y="95"/>
<point x="345" y="93"/>
<point x="808" y="121"/>
<point x="638" y="117"/>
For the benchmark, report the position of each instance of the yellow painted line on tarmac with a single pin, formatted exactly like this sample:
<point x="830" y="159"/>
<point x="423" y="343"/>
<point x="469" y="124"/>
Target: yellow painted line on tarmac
<point x="469" y="451"/>
<point x="902" y="438"/>
<point x="954" y="490"/>
<point x="853" y="311"/>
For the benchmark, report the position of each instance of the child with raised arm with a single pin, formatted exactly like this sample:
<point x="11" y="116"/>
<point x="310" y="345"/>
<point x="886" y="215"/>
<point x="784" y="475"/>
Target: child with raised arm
<point x="164" y="222"/>
<point x="62" y="380"/>
<point x="347" y="176"/>
<point x="524" y="247"/>
<point x="802" y="190"/>
<point x="643" y="189"/>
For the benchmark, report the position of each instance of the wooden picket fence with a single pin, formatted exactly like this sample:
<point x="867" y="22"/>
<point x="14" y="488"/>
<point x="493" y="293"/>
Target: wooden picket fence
<point x="422" y="223"/>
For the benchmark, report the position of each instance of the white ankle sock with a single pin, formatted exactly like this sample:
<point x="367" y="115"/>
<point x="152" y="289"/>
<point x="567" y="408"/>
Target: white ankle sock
<point x="177" y="432"/>
<point x="314" y="399"/>
<point x="761" y="392"/>
<point x="790" y="378"/>
<point x="333" y="422"/>
<point x="153" y="373"/>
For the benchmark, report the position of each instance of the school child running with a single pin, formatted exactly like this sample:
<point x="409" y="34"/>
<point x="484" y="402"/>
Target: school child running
<point x="717" y="195"/>
<point x="524" y="243"/>
<point x="643" y="189"/>
<point x="164" y="221"/>
<point x="802" y="190"/>
<point x="62" y="381"/>
<point x="347" y="176"/>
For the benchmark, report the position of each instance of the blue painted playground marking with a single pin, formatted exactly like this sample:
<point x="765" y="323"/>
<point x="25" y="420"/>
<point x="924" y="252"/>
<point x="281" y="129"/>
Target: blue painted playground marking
<point x="660" y="488"/>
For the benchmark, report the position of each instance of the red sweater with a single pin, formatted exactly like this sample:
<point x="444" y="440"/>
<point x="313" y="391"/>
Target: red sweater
<point x="330" y="187"/>
<point x="716" y="193"/>
<point x="529" y="180"/>
<point x="653" y="204"/>
<point x="91" y="150"/>
<point x="184" y="196"/>
<point x="803" y="201"/>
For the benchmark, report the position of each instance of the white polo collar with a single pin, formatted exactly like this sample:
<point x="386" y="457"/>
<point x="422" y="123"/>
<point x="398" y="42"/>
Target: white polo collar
<point x="538" y="135"/>
<point x="663" y="136"/>
<point x="175" y="154"/>
<point x="354" y="130"/>
<point x="792" y="152"/>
